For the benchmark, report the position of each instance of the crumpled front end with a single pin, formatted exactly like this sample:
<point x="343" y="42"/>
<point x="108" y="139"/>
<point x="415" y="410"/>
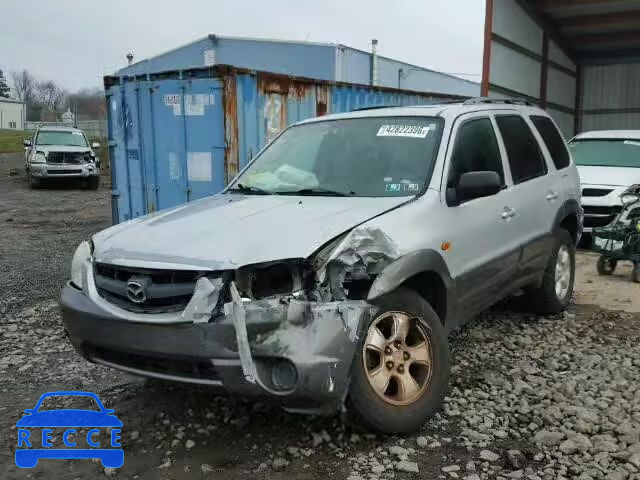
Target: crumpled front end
<point x="287" y="329"/>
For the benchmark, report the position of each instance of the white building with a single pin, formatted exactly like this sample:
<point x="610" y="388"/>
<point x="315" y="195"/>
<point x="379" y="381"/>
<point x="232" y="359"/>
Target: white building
<point x="68" y="117"/>
<point x="13" y="114"/>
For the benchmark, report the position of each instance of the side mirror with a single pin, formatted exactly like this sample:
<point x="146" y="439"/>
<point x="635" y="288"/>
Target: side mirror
<point x="26" y="143"/>
<point x="476" y="185"/>
<point x="95" y="145"/>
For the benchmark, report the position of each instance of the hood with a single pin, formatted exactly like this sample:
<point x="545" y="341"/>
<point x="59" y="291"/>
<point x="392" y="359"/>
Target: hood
<point x="227" y="231"/>
<point x="61" y="148"/>
<point x="69" y="418"/>
<point x="609" y="176"/>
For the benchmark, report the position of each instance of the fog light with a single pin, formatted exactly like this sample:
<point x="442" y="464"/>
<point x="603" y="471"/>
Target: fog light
<point x="284" y="375"/>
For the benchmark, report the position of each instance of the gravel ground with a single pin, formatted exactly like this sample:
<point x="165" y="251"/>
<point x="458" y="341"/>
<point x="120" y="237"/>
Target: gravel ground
<point x="531" y="397"/>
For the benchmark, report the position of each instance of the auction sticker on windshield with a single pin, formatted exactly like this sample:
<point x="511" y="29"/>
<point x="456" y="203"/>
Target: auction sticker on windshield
<point x="413" y="131"/>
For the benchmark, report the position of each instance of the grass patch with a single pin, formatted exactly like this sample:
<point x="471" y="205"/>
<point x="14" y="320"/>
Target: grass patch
<point x="11" y="140"/>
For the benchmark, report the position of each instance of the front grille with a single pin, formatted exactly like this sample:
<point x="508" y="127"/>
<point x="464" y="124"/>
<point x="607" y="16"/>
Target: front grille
<point x="63" y="172"/>
<point x="177" y="366"/>
<point x="602" y="210"/>
<point x="165" y="290"/>
<point x="596" y="192"/>
<point x="73" y="158"/>
<point x="600" y="216"/>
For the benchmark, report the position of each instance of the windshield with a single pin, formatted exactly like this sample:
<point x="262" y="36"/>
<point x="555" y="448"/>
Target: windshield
<point x="70" y="139"/>
<point x="368" y="157"/>
<point x="606" y="153"/>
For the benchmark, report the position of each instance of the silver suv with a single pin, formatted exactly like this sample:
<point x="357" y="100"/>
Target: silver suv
<point x="61" y="152"/>
<point x="332" y="268"/>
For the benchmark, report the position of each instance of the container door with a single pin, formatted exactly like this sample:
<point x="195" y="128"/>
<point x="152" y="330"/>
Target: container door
<point x="134" y="151"/>
<point x="168" y="134"/>
<point x="205" y="145"/>
<point x="124" y="153"/>
<point x="117" y="157"/>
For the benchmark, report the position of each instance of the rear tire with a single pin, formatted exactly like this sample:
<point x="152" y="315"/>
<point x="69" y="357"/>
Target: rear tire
<point x="606" y="266"/>
<point x="410" y="408"/>
<point x="554" y="293"/>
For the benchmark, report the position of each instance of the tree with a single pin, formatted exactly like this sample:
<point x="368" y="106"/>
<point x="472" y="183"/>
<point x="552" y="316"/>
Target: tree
<point x="4" y="88"/>
<point x="24" y="87"/>
<point x="49" y="95"/>
<point x="87" y="103"/>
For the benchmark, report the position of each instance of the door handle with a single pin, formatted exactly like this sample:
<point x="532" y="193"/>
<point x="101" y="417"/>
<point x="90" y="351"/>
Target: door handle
<point x="551" y="196"/>
<point x="508" y="213"/>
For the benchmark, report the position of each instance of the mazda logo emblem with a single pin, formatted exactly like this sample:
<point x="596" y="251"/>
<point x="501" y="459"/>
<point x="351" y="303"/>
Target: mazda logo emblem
<point x="136" y="292"/>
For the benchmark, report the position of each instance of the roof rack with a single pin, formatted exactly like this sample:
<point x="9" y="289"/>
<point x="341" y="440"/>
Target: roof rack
<point x="376" y="107"/>
<point x="498" y="101"/>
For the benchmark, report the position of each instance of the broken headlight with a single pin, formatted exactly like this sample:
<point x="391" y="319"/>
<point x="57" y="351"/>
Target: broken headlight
<point x="82" y="254"/>
<point x="260" y="281"/>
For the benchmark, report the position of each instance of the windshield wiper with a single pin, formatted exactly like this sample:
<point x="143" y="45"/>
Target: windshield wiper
<point x="316" y="191"/>
<point x="250" y="189"/>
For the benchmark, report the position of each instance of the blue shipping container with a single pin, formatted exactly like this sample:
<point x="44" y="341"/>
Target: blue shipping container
<point x="180" y="136"/>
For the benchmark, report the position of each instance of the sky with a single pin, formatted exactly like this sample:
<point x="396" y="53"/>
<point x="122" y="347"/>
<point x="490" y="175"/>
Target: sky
<point x="77" y="42"/>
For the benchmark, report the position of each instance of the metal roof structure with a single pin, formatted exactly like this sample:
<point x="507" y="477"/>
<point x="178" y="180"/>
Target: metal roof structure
<point x="592" y="29"/>
<point x="322" y="61"/>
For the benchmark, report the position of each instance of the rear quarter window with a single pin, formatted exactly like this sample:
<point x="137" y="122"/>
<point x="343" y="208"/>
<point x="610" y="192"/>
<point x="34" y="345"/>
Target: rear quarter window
<point x="553" y="141"/>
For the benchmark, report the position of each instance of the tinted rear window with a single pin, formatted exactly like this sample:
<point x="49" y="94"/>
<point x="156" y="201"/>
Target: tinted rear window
<point x="553" y="140"/>
<point x="525" y="158"/>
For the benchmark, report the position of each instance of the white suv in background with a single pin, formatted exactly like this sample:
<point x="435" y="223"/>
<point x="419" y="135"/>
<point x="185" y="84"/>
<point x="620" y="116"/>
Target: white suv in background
<point x="608" y="163"/>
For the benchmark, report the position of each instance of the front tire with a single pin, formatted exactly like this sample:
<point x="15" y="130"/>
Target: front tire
<point x="33" y="182"/>
<point x="554" y="293"/>
<point x="93" y="183"/>
<point x="606" y="266"/>
<point x="400" y="372"/>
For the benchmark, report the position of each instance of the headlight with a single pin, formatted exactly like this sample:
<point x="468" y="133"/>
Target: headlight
<point x="83" y="253"/>
<point x="628" y="199"/>
<point x="38" y="158"/>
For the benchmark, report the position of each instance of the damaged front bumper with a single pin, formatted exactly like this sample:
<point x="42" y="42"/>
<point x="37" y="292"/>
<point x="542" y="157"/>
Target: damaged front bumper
<point x="297" y="351"/>
<point x="60" y="170"/>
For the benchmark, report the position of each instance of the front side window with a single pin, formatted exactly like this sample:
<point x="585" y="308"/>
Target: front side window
<point x="553" y="140"/>
<point x="606" y="153"/>
<point x="476" y="150"/>
<point x="368" y="157"/>
<point x="69" y="139"/>
<point x="525" y="158"/>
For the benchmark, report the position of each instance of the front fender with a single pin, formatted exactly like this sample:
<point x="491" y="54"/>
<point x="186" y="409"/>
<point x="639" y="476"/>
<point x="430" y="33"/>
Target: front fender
<point x="405" y="267"/>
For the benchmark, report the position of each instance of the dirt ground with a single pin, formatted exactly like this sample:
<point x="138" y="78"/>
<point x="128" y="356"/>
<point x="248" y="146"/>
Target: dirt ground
<point x="175" y="431"/>
<point x="615" y="292"/>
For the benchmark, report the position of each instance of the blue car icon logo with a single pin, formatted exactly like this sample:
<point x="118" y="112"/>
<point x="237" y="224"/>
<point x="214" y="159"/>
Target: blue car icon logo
<point x="69" y="433"/>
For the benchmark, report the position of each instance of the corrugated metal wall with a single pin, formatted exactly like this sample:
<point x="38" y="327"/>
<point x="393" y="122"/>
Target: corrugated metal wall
<point x="174" y="140"/>
<point x="525" y="62"/>
<point x="610" y="97"/>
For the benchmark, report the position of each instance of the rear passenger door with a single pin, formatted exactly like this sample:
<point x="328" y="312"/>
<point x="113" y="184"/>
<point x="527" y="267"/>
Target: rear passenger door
<point x="484" y="247"/>
<point x="536" y="201"/>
